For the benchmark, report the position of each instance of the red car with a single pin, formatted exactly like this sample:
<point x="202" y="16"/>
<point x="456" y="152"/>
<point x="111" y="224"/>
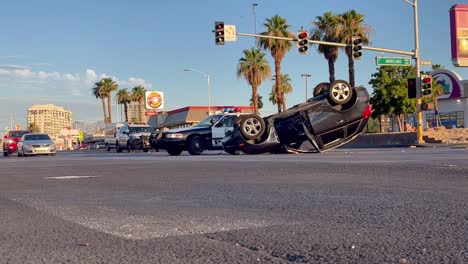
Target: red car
<point x="11" y="139"/>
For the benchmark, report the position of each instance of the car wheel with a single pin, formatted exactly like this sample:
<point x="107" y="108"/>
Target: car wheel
<point x="340" y="92"/>
<point x="195" y="146"/>
<point x="145" y="150"/>
<point x="321" y="88"/>
<point x="174" y="151"/>
<point x="129" y="146"/>
<point x="252" y="126"/>
<point x="20" y="154"/>
<point x="5" y="153"/>
<point x="117" y="147"/>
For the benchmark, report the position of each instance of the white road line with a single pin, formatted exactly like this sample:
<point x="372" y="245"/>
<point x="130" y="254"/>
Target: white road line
<point x="73" y="177"/>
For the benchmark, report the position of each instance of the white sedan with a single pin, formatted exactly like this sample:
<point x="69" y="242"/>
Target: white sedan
<point x="36" y="144"/>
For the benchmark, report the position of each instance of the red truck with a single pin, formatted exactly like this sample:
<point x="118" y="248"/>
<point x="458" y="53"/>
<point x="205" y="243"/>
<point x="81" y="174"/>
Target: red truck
<point x="10" y="141"/>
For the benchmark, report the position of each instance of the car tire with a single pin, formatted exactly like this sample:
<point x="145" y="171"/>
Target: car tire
<point x="195" y="146"/>
<point x="340" y="92"/>
<point x="252" y="126"/>
<point x="5" y="153"/>
<point x="321" y="88"/>
<point x="19" y="154"/>
<point x="117" y="147"/>
<point x="145" y="150"/>
<point x="174" y="151"/>
<point x="129" y="147"/>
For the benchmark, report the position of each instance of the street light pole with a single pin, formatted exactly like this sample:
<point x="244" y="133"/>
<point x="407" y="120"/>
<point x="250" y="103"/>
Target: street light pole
<point x="254" y="5"/>
<point x="306" y="75"/>
<point x="209" y="87"/>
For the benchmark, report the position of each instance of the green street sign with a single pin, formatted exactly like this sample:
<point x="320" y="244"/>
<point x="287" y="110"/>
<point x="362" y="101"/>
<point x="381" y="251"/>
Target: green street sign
<point x="391" y="61"/>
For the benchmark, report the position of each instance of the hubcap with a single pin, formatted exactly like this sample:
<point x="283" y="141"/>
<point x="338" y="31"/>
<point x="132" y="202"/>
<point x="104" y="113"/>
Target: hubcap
<point x="340" y="92"/>
<point x="252" y="126"/>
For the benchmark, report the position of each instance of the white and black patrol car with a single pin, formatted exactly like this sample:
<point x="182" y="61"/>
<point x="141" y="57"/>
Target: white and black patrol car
<point x="206" y="135"/>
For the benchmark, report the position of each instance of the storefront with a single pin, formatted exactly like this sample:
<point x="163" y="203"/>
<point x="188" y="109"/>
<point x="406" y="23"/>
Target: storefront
<point x="452" y="104"/>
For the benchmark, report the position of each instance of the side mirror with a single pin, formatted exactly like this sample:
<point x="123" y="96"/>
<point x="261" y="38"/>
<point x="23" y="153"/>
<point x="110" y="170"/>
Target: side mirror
<point x="212" y="121"/>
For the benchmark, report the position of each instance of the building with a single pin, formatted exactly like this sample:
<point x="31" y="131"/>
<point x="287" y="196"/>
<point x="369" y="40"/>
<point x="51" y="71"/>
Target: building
<point x="49" y="119"/>
<point x="452" y="104"/>
<point x="189" y="116"/>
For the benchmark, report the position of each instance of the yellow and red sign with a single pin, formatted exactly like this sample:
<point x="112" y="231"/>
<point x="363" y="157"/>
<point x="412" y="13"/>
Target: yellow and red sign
<point x="154" y="100"/>
<point x="459" y="34"/>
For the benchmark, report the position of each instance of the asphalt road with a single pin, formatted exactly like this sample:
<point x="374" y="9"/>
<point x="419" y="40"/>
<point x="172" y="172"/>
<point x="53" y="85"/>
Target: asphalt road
<point x="345" y="206"/>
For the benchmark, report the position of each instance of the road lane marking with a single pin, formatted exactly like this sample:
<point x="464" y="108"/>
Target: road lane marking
<point x="73" y="177"/>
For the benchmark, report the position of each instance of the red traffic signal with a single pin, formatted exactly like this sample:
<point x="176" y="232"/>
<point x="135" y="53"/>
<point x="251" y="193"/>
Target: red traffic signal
<point x="302" y="42"/>
<point x="412" y="88"/>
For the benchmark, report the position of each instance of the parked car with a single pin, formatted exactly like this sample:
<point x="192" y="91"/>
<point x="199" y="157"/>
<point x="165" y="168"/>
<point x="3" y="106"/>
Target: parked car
<point x="32" y="144"/>
<point x="11" y="139"/>
<point x="99" y="145"/>
<point x="334" y="116"/>
<point x="206" y="135"/>
<point x="134" y="137"/>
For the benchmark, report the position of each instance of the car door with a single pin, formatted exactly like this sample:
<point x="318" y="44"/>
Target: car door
<point x="218" y="130"/>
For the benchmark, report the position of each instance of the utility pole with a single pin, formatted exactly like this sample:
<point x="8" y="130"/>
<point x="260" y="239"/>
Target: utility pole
<point x="306" y="75"/>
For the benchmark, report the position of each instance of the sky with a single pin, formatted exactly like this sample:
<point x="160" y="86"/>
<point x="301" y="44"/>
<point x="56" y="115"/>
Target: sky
<point x="53" y="51"/>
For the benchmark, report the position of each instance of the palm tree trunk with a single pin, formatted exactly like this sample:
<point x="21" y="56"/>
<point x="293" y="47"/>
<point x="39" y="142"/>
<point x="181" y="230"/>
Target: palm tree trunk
<point x="255" y="99"/>
<point x="350" y="66"/>
<point x="126" y="112"/>
<point x="109" y="108"/>
<point x="436" y="112"/>
<point x="104" y="109"/>
<point x="140" y="113"/>
<point x="331" y="70"/>
<point x="279" y="91"/>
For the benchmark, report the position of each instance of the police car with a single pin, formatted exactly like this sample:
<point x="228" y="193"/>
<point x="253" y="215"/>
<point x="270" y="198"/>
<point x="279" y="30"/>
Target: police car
<point x="134" y="137"/>
<point x="206" y="135"/>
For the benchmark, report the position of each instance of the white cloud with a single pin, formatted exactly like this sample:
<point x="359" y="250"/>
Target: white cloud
<point x="27" y="73"/>
<point x="4" y="72"/>
<point x="132" y="82"/>
<point x="71" y="77"/>
<point x="90" y="76"/>
<point x="48" y="75"/>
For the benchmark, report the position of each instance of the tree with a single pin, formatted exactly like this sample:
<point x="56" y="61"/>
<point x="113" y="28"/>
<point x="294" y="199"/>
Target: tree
<point x="437" y="91"/>
<point x="325" y="29"/>
<point x="254" y="68"/>
<point x="108" y="86"/>
<point x="123" y="97"/>
<point x="99" y="93"/>
<point x="276" y="27"/>
<point x="352" y="24"/>
<point x="390" y="96"/>
<point x="138" y="95"/>
<point x="286" y="88"/>
<point x="260" y="102"/>
<point x="33" y="127"/>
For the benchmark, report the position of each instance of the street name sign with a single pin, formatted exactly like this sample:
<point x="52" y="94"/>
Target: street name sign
<point x="392" y="61"/>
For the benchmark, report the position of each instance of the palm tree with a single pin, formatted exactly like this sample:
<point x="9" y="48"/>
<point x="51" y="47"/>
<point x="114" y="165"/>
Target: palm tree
<point x="123" y="97"/>
<point x="325" y="29"/>
<point x="138" y="95"/>
<point x="438" y="91"/>
<point x="286" y="88"/>
<point x="276" y="27"/>
<point x="254" y="68"/>
<point x="107" y="87"/>
<point x="99" y="93"/>
<point x="352" y="24"/>
<point x="260" y="102"/>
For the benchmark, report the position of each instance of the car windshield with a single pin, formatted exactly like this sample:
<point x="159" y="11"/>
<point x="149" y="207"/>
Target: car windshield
<point x="141" y="129"/>
<point x="17" y="133"/>
<point x="36" y="137"/>
<point x="209" y="121"/>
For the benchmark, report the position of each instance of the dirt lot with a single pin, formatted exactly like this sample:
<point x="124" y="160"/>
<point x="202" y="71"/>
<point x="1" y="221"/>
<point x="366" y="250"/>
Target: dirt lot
<point x="448" y="136"/>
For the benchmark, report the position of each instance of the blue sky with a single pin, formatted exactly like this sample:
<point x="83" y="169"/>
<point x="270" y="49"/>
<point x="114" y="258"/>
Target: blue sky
<point x="52" y="51"/>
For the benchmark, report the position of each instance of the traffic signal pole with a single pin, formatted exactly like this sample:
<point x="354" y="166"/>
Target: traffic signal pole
<point x="414" y="54"/>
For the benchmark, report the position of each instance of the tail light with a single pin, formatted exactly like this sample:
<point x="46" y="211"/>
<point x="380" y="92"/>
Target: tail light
<point x="367" y="112"/>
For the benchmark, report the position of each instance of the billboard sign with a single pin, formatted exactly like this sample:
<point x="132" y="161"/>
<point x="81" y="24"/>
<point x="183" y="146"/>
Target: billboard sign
<point x="459" y="34"/>
<point x="450" y="82"/>
<point x="154" y="100"/>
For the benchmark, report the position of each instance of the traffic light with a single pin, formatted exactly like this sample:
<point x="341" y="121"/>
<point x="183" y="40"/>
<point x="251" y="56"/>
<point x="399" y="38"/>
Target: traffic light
<point x="219" y="33"/>
<point x="302" y="42"/>
<point x="412" y="88"/>
<point x="426" y="85"/>
<point x="356" y="46"/>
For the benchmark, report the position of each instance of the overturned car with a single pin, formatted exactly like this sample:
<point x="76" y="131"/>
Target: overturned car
<point x="335" y="115"/>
